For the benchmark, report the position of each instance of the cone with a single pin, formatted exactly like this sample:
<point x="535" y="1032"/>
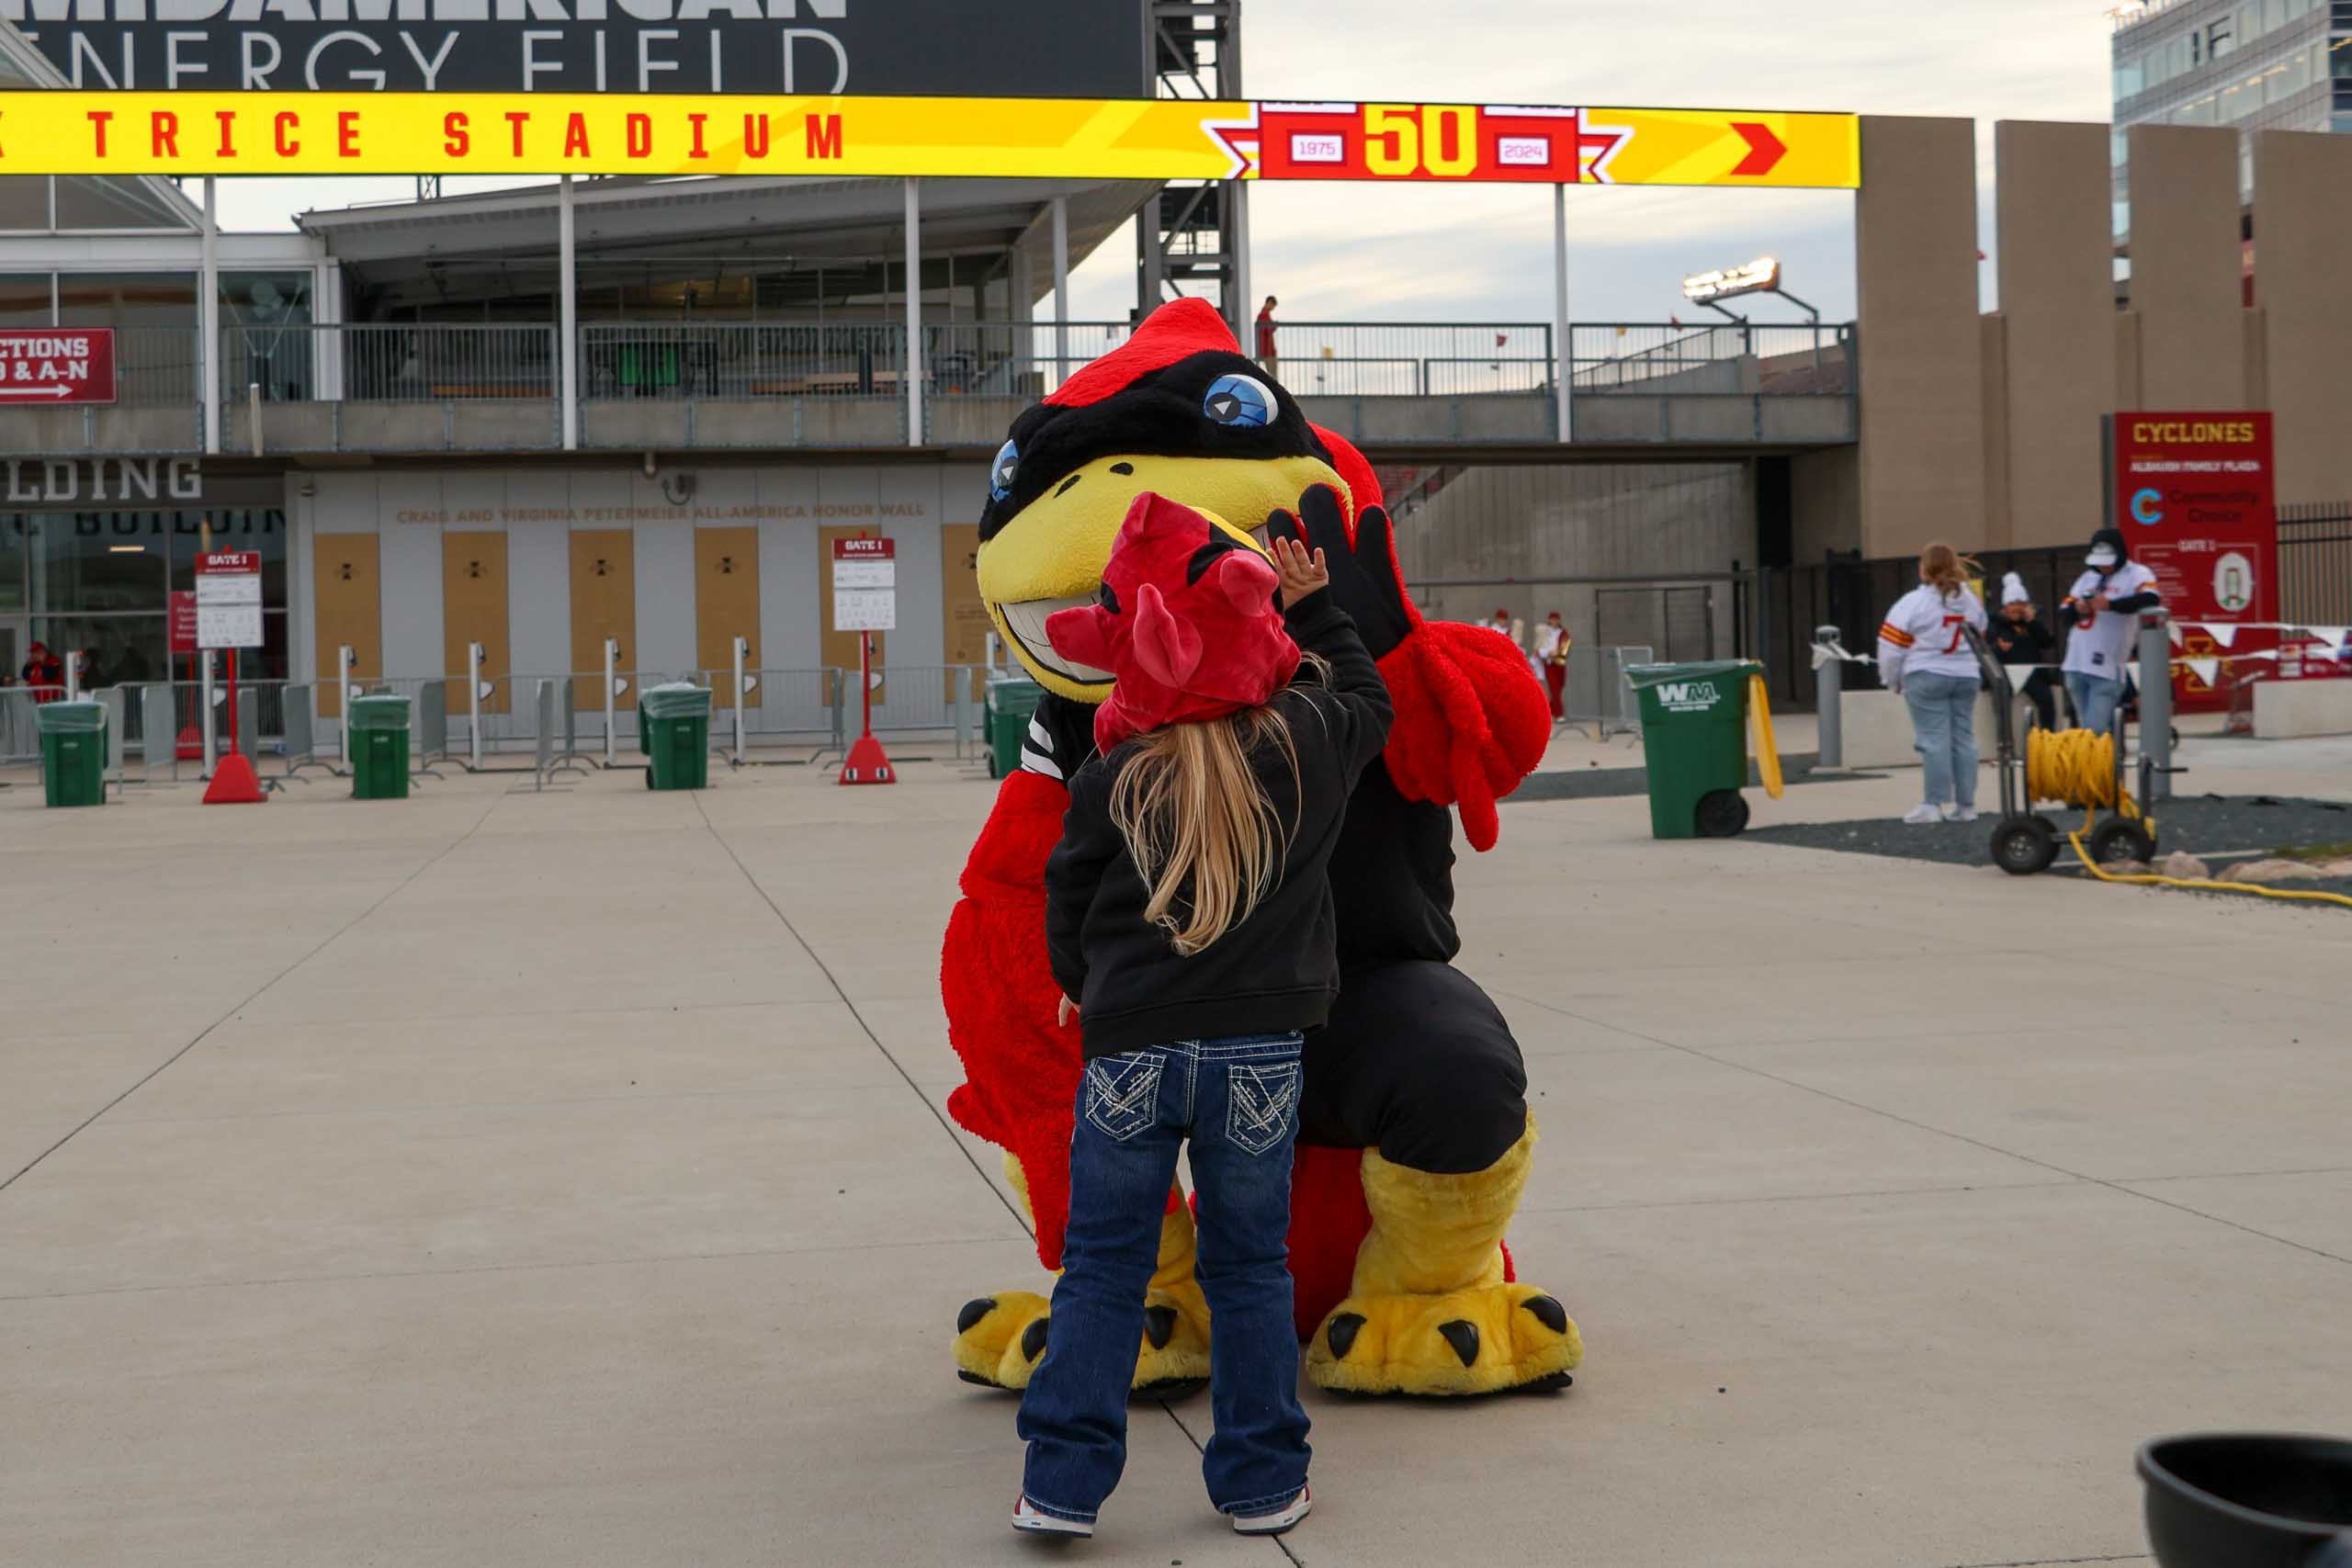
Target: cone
<point x="867" y="763"/>
<point x="234" y="782"/>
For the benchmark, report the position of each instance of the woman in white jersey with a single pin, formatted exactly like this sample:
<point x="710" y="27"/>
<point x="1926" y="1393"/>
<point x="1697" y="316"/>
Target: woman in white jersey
<point x="1923" y="654"/>
<point x="2104" y="609"/>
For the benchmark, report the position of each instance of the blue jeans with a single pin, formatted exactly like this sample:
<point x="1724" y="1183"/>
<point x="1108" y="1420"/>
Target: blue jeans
<point x="2094" y="697"/>
<point x="1943" y="725"/>
<point x="1237" y="1100"/>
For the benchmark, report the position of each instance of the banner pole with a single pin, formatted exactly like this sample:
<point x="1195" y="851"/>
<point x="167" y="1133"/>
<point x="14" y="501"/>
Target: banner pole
<point x="1565" y="358"/>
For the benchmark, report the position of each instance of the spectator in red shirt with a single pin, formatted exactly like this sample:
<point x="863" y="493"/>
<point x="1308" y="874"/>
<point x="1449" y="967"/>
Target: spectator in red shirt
<point x="1266" y="355"/>
<point x="45" y="672"/>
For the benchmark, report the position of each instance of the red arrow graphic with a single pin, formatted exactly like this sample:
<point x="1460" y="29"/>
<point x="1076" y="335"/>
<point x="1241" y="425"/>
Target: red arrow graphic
<point x="1765" y="150"/>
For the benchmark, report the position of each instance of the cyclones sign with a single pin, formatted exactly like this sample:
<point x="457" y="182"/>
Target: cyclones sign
<point x="2196" y="496"/>
<point x="1141" y="138"/>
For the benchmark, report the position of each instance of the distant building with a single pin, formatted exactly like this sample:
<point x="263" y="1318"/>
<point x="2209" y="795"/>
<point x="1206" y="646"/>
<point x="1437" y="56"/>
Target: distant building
<point x="2248" y="65"/>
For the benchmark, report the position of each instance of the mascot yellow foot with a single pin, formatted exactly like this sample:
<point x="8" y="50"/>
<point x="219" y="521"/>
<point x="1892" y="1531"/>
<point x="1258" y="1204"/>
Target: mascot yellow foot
<point x="999" y="1339"/>
<point x="1428" y="1311"/>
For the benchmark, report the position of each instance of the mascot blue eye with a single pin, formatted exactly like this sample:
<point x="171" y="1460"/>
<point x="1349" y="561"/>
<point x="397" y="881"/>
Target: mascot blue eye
<point x="1000" y="472"/>
<point x="1242" y="401"/>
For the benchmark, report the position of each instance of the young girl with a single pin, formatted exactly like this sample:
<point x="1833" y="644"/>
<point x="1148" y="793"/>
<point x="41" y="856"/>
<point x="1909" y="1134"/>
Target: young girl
<point x="1190" y="924"/>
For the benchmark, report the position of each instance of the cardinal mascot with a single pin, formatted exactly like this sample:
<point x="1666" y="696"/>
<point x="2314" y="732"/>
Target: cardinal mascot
<point x="1414" y="1139"/>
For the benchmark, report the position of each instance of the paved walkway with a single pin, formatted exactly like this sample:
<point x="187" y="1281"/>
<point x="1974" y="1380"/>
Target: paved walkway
<point x="519" y="1178"/>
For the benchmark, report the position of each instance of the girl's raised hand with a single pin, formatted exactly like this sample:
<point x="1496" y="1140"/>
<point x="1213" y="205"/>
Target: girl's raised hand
<point x="1302" y="571"/>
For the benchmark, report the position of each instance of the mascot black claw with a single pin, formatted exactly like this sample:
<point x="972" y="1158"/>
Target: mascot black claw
<point x="1413" y="1137"/>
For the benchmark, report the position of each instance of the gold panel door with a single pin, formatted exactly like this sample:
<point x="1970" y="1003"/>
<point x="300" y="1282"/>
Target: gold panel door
<point x="839" y="650"/>
<point x="351" y="610"/>
<point x="603" y="604"/>
<point x="726" y="605"/>
<point x="965" y="624"/>
<point x="474" y="609"/>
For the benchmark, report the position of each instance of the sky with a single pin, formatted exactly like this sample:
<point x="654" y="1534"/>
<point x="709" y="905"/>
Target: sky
<point x="1345" y="252"/>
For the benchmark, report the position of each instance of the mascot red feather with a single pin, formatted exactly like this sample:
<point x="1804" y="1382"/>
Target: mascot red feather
<point x="1414" y="1141"/>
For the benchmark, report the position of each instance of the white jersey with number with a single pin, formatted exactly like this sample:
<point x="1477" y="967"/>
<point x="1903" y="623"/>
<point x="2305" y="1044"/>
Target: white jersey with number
<point x="2103" y="647"/>
<point x="1924" y="634"/>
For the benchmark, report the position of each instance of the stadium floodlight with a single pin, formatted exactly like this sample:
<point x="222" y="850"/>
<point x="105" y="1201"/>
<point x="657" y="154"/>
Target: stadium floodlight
<point x="1761" y="275"/>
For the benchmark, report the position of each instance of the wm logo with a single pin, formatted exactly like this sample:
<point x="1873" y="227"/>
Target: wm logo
<point x="1687" y="692"/>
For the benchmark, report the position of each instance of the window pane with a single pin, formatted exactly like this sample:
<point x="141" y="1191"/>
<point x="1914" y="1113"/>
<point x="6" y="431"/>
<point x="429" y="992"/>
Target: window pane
<point x="109" y="201"/>
<point x="24" y="299"/>
<point x="87" y="561"/>
<point x="24" y="202"/>
<point x="154" y="315"/>
<point x="11" y="568"/>
<point x="265" y="317"/>
<point x="123" y="648"/>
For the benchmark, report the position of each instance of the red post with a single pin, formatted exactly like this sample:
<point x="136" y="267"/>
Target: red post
<point x="866" y="682"/>
<point x="233" y="699"/>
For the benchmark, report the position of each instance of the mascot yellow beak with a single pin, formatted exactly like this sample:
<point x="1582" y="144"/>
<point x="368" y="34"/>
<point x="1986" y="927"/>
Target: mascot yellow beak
<point x="1050" y="556"/>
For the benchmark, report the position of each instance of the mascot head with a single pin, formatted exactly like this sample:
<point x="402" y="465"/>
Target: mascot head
<point x="1185" y="619"/>
<point x="1175" y="411"/>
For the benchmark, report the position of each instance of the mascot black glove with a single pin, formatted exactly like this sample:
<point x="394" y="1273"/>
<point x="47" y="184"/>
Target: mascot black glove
<point x="1364" y="573"/>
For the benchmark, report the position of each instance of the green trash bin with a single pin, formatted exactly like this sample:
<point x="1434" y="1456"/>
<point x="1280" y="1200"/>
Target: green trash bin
<point x="673" y="728"/>
<point x="378" y="725"/>
<point x="1010" y="701"/>
<point x="1694" y="739"/>
<point x="73" y="752"/>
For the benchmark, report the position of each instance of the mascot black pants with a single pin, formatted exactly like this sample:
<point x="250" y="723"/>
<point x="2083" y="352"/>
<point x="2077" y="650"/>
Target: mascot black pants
<point x="1417" y="1062"/>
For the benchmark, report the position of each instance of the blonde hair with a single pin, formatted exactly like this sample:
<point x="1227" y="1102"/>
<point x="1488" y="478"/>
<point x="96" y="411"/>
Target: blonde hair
<point x="1941" y="569"/>
<point x="1206" y="837"/>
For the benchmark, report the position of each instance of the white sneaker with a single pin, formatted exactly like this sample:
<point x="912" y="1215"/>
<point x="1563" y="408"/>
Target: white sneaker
<point x="1921" y="815"/>
<point x="1276" y="1522"/>
<point x="1026" y="1517"/>
<point x="1960" y="813"/>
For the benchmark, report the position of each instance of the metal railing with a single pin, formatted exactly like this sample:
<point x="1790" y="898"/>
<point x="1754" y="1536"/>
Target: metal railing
<point x="292" y="387"/>
<point x="1710" y="359"/>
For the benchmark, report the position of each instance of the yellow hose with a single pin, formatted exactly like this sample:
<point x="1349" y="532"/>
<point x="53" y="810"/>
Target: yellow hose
<point x="1768" y="755"/>
<point x="2076" y="767"/>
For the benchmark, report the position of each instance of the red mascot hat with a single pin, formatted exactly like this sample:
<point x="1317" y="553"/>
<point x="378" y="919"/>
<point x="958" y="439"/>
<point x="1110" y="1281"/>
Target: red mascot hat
<point x="1187" y="623"/>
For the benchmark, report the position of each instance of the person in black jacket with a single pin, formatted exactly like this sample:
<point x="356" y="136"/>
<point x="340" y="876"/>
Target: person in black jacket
<point x="1189" y="922"/>
<point x="2020" y="638"/>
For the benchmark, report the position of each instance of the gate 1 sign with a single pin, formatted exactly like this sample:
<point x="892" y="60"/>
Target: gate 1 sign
<point x="43" y="366"/>
<point x="228" y="599"/>
<point x="865" y="585"/>
<point x="2194" y="494"/>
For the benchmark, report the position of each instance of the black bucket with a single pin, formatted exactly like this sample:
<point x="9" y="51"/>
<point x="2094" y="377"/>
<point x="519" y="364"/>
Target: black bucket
<point x="2249" y="1500"/>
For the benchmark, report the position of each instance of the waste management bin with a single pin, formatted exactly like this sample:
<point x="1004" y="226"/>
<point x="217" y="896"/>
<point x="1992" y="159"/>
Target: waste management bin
<point x="379" y="727"/>
<point x="673" y="728"/>
<point x="1012" y="700"/>
<point x="73" y="752"/>
<point x="1694" y="739"/>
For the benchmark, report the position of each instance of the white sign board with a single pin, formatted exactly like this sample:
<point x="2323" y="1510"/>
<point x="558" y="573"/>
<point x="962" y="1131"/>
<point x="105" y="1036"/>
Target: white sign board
<point x="865" y="585"/>
<point x="227" y="600"/>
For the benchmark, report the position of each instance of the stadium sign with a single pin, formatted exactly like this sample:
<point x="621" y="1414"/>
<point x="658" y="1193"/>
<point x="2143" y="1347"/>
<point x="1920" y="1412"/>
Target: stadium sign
<point x="1137" y="139"/>
<point x="1024" y="47"/>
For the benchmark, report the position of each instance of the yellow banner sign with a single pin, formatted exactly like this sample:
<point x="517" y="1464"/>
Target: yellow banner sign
<point x="61" y="132"/>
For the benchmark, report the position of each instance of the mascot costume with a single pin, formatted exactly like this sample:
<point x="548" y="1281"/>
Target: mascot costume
<point x="1414" y="1138"/>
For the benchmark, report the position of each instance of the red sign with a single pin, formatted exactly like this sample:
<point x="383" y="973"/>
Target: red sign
<point x="41" y="366"/>
<point x="183" y="603"/>
<point x="2195" y="495"/>
<point x="866" y="549"/>
<point x="230" y="560"/>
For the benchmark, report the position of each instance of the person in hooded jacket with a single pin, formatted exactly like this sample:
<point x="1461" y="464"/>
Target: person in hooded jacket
<point x="2104" y="608"/>
<point x="2020" y="638"/>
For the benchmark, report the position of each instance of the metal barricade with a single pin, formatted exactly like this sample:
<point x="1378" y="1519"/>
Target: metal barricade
<point x="159" y="737"/>
<point x="1628" y="718"/>
<point x="118" y="707"/>
<point x="792" y="707"/>
<point x="19" y="739"/>
<point x="543" y="726"/>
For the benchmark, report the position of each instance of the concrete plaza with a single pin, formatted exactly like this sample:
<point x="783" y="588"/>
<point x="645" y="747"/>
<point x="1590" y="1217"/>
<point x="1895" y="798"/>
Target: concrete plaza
<point x="520" y="1178"/>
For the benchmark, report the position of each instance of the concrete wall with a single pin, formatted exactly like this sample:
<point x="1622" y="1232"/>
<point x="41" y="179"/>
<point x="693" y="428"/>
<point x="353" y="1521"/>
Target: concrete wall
<point x="1922" y="474"/>
<point x="2187" y="271"/>
<point x="2303" y="193"/>
<point x="1518" y="524"/>
<point x="538" y="508"/>
<point x="2055" y="331"/>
